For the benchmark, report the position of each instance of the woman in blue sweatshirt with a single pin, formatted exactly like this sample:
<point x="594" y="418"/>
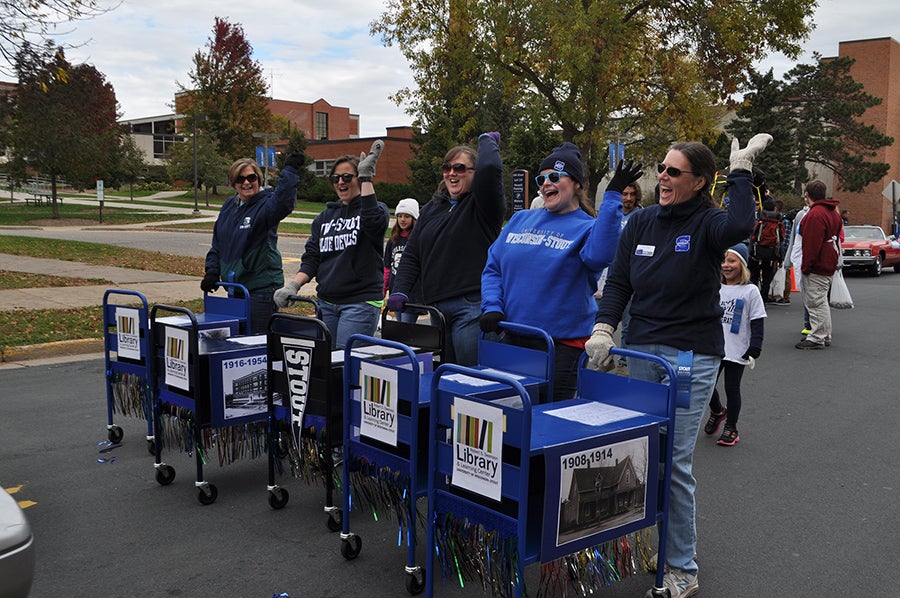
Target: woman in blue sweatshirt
<point x="343" y="252"/>
<point x="668" y="263"/>
<point x="555" y="254"/>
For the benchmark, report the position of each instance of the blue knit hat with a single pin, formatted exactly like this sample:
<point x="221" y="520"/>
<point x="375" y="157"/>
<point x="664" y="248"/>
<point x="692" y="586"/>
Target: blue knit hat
<point x="741" y="251"/>
<point x="566" y="158"/>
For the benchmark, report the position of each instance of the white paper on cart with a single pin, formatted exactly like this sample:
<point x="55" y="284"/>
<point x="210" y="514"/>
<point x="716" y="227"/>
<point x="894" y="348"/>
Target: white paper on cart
<point x="594" y="413"/>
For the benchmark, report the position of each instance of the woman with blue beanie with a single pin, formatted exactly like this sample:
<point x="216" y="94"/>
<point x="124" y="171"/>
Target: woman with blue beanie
<point x="555" y="254"/>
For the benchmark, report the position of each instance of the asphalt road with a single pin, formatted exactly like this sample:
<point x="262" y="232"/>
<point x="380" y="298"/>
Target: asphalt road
<point x="804" y="506"/>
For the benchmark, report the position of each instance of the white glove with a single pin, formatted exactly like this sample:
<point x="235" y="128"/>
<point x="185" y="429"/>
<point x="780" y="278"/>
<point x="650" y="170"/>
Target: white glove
<point x="743" y="158"/>
<point x="366" y="168"/>
<point x="598" y="347"/>
<point x="282" y="295"/>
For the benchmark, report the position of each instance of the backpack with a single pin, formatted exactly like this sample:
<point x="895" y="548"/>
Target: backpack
<point x="768" y="235"/>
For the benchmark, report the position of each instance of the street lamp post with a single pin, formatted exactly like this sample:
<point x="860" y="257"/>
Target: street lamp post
<point x="196" y="182"/>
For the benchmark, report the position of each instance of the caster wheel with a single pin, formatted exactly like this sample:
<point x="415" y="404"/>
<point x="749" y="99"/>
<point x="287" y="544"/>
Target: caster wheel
<point x="115" y="434"/>
<point x="415" y="583"/>
<point x="351" y="547"/>
<point x="151" y="447"/>
<point x="278" y="498"/>
<point x="208" y="495"/>
<point x="165" y="474"/>
<point x="335" y="521"/>
<point x="663" y="593"/>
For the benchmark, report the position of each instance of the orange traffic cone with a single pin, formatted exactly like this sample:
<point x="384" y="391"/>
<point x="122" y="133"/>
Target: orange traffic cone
<point x="794" y="288"/>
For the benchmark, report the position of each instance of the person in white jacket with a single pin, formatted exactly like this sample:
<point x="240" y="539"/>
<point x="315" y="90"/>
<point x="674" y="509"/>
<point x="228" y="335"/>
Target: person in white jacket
<point x="795" y="255"/>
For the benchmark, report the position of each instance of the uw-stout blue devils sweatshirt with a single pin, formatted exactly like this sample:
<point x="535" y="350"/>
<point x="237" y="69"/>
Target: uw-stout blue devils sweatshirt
<point x="542" y="270"/>
<point x="343" y="252"/>
<point x="670" y="259"/>
<point x="245" y="237"/>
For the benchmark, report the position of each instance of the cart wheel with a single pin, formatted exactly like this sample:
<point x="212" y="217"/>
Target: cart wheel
<point x="151" y="447"/>
<point x="208" y="495"/>
<point x="663" y="593"/>
<point x="351" y="547"/>
<point x="278" y="498"/>
<point x="165" y="474"/>
<point x="335" y="520"/>
<point x="115" y="434"/>
<point x="415" y="583"/>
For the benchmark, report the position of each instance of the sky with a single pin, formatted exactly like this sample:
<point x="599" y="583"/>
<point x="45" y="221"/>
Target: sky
<point x="314" y="49"/>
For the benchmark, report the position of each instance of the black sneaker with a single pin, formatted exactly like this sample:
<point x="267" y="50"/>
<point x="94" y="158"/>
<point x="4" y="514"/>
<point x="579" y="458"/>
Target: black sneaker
<point x="729" y="436"/>
<point x="808" y="344"/>
<point x="714" y="421"/>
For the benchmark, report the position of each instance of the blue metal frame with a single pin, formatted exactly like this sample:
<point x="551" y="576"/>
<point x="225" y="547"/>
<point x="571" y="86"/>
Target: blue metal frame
<point x="520" y="360"/>
<point x="139" y="368"/>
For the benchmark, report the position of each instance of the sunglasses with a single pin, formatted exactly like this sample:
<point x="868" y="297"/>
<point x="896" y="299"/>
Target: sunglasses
<point x="346" y="177"/>
<point x="672" y="171"/>
<point x="458" y="167"/>
<point x="250" y="178"/>
<point x="553" y="177"/>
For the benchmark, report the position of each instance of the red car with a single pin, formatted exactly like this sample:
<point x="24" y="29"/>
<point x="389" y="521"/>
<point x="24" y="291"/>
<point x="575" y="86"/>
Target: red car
<point x="866" y="247"/>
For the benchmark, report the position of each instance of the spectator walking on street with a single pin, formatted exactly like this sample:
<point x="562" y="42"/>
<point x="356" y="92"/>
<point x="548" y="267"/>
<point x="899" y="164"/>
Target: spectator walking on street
<point x="820" y="231"/>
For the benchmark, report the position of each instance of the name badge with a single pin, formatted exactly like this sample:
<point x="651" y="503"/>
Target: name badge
<point x="645" y="250"/>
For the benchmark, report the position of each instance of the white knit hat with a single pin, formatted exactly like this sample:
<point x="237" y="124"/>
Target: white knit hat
<point x="407" y="206"/>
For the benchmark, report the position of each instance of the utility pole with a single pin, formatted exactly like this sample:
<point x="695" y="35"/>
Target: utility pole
<point x="196" y="182"/>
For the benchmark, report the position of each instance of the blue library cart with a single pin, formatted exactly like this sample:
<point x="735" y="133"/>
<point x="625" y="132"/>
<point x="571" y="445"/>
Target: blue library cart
<point x="511" y="483"/>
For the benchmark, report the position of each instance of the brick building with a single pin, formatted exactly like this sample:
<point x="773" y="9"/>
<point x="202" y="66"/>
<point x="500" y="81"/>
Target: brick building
<point x="877" y="68"/>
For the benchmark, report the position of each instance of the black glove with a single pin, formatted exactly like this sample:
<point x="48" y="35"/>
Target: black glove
<point x="490" y="322"/>
<point x="210" y="282"/>
<point x="626" y="174"/>
<point x="752" y="352"/>
<point x="295" y="160"/>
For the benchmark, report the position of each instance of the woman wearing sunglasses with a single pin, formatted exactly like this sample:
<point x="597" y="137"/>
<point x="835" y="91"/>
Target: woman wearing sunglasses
<point x="245" y="236"/>
<point x="555" y="253"/>
<point x="448" y="247"/>
<point x="668" y="262"/>
<point x="344" y="251"/>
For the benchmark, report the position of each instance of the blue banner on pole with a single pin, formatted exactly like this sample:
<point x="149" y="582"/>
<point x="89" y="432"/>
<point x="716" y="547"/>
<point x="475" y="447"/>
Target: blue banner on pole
<point x="271" y="156"/>
<point x="260" y="155"/>
<point x="616" y="154"/>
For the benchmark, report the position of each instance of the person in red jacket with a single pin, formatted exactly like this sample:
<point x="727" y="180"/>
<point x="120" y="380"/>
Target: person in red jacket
<point x="820" y="230"/>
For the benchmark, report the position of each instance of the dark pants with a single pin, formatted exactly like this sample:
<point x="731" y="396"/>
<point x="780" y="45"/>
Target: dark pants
<point x="262" y="306"/>
<point x="565" y="363"/>
<point x="733" y="374"/>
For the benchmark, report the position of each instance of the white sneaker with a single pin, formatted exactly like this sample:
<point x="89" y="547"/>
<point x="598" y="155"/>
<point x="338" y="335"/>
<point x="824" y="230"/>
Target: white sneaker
<point x="680" y="584"/>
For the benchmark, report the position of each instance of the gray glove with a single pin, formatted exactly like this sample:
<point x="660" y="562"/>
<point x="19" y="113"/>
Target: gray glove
<point x="366" y="168"/>
<point x="598" y="347"/>
<point x="743" y="158"/>
<point x="282" y="295"/>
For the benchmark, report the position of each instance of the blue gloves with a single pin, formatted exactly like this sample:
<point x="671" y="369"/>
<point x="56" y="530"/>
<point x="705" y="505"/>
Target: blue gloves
<point x="397" y="302"/>
<point x="493" y="135"/>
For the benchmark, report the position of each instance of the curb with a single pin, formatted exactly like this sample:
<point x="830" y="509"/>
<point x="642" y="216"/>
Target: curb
<point x="54" y="349"/>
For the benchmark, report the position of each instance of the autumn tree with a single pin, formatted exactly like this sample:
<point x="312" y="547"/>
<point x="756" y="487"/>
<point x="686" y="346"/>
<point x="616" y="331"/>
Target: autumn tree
<point x="24" y="22"/>
<point x="643" y="70"/>
<point x="64" y="119"/>
<point x="228" y="87"/>
<point x="825" y="104"/>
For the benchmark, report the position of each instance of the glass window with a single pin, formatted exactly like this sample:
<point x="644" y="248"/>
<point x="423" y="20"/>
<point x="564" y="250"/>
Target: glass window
<point x="323" y="167"/>
<point x="321" y="125"/>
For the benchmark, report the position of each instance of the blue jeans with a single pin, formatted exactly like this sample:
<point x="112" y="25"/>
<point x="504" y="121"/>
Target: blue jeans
<point x="262" y="306"/>
<point x="461" y="316"/>
<point x="343" y="321"/>
<point x="681" y="540"/>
